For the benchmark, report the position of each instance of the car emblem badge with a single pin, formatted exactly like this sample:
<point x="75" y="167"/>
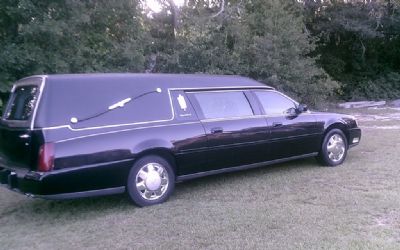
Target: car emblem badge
<point x="182" y="102"/>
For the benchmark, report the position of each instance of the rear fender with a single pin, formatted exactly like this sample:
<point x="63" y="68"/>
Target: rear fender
<point x="157" y="147"/>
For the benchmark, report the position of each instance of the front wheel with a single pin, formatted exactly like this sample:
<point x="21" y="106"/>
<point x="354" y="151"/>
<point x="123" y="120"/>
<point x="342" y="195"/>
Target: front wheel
<point x="334" y="148"/>
<point x="151" y="181"/>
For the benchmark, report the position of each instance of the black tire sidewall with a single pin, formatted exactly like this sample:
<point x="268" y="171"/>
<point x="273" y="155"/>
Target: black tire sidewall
<point x="324" y="157"/>
<point x="132" y="191"/>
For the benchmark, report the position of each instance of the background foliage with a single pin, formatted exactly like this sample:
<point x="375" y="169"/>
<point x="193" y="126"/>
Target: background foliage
<point x="312" y="49"/>
<point x="68" y="36"/>
<point x="359" y="45"/>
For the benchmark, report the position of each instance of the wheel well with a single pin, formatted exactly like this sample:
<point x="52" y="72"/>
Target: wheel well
<point x="340" y="126"/>
<point x="161" y="152"/>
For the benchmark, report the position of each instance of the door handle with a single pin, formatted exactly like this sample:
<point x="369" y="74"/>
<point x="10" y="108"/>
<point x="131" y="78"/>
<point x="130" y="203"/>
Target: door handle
<point x="24" y="136"/>
<point x="277" y="124"/>
<point x="217" y="130"/>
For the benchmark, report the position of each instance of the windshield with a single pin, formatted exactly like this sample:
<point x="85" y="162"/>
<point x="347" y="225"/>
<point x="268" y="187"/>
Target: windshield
<point x="22" y="103"/>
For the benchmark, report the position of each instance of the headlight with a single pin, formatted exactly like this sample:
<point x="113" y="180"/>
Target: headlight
<point x="351" y="121"/>
<point x="354" y="120"/>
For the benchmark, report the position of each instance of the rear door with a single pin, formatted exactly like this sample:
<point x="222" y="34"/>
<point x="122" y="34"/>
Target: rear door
<point x="190" y="149"/>
<point x="15" y="125"/>
<point x="236" y="134"/>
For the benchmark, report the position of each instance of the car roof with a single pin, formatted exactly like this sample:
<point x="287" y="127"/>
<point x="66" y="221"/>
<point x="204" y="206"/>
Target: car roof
<point x="162" y="80"/>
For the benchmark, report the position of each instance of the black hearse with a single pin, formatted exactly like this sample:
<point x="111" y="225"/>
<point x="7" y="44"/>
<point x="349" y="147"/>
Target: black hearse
<point x="71" y="136"/>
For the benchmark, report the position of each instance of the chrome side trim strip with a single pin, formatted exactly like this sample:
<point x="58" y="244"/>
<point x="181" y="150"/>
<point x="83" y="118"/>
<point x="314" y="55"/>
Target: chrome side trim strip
<point x="234" y="118"/>
<point x="235" y="88"/>
<point x="77" y="195"/>
<point x="41" y="175"/>
<point x="246" y="117"/>
<point x="125" y="130"/>
<point x="165" y="125"/>
<point x="239" y="168"/>
<point x="218" y="90"/>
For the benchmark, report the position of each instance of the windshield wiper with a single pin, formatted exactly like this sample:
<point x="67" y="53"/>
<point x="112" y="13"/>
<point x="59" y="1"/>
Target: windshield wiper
<point x="119" y="104"/>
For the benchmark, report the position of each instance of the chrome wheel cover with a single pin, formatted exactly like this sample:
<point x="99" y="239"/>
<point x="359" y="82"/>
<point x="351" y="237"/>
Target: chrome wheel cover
<point x="336" y="148"/>
<point x="152" y="181"/>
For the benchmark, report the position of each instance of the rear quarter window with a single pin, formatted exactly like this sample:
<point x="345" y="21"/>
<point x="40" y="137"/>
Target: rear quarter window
<point x="22" y="103"/>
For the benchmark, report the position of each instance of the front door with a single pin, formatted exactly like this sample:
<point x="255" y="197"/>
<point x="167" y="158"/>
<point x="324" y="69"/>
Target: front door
<point x="292" y="134"/>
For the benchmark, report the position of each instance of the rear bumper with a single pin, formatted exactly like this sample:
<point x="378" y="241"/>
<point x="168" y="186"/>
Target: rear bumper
<point x="15" y="181"/>
<point x="354" y="137"/>
<point x="71" y="183"/>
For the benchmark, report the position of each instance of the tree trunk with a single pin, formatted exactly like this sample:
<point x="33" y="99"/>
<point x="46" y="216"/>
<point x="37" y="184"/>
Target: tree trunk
<point x="175" y="15"/>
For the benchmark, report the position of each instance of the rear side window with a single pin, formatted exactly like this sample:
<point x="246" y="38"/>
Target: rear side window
<point x="274" y="103"/>
<point x="22" y="103"/>
<point x="223" y="104"/>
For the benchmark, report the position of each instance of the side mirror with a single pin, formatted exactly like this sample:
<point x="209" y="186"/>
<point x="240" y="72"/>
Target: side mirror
<point x="292" y="112"/>
<point x="302" y="108"/>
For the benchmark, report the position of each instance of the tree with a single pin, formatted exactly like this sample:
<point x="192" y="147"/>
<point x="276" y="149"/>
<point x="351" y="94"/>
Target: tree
<point x="359" y="45"/>
<point x="45" y="36"/>
<point x="266" y="40"/>
<point x="281" y="51"/>
<point x="263" y="40"/>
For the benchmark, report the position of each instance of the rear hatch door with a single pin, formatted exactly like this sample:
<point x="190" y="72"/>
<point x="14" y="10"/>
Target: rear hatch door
<point x="16" y="125"/>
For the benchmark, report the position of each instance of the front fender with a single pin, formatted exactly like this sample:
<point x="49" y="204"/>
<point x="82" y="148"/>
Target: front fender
<point x="334" y="121"/>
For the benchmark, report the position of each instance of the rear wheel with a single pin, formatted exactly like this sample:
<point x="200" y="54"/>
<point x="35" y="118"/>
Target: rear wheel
<point x="151" y="181"/>
<point x="334" y="148"/>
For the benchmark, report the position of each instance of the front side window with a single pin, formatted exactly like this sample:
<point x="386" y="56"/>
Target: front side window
<point x="22" y="103"/>
<point x="274" y="103"/>
<point x="223" y="104"/>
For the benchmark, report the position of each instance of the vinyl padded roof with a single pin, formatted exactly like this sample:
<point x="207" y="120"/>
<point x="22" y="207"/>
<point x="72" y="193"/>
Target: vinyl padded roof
<point x="160" y="80"/>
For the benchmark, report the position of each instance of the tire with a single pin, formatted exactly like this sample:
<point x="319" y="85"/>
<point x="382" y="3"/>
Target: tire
<point x="334" y="148"/>
<point x="151" y="181"/>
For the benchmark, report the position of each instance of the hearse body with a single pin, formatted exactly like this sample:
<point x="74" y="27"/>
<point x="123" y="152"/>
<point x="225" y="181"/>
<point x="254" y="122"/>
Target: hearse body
<point x="72" y="136"/>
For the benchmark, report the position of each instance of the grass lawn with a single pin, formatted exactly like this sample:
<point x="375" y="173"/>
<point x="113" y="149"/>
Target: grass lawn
<point x="287" y="206"/>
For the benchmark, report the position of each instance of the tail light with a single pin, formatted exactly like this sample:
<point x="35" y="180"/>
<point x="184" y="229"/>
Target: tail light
<point x="46" y="157"/>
